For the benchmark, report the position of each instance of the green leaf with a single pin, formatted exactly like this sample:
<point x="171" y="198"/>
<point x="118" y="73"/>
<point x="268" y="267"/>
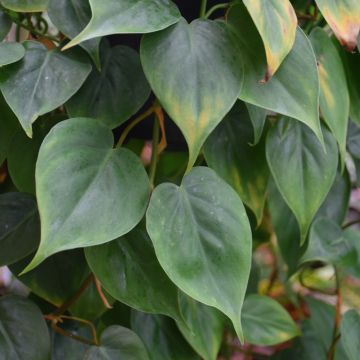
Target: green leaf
<point x="290" y="92"/>
<point x="25" y="5"/>
<point x="8" y="127"/>
<point x="343" y="18"/>
<point x="47" y="78"/>
<point x="104" y="198"/>
<point x="276" y="22"/>
<point x="114" y="94"/>
<point x="350" y="333"/>
<point x="118" y="342"/>
<point x="243" y="166"/>
<point x="161" y="337"/>
<point x="334" y="95"/>
<point x="353" y="141"/>
<point x="127" y="17"/>
<point x="266" y="322"/>
<point x="5" y="24"/>
<point x="302" y="171"/>
<point x="19" y="227"/>
<point x="23" y="331"/>
<point x="23" y="152"/>
<point x="70" y="17"/>
<point x="205" y="327"/>
<point x="195" y="73"/>
<point x="202" y="240"/>
<point x="10" y="53"/>
<point x="286" y="229"/>
<point x="128" y="269"/>
<point x="258" y="118"/>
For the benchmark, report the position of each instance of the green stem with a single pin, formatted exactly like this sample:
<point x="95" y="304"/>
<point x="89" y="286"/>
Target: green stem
<point x="215" y="8"/>
<point x="154" y="151"/>
<point x="203" y="8"/>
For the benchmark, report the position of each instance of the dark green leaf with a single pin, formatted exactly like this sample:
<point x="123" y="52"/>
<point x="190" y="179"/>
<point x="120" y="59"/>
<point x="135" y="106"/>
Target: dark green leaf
<point x="19" y="227"/>
<point x="266" y="322"/>
<point x="10" y="53"/>
<point x="243" y="166"/>
<point x="350" y="333"/>
<point x="129" y="271"/>
<point x="202" y="239"/>
<point x="23" y="331"/>
<point x="195" y="73"/>
<point x="290" y="92"/>
<point x="334" y="95"/>
<point x="5" y="24"/>
<point x="25" y="5"/>
<point x="303" y="172"/>
<point x="204" y="327"/>
<point x="127" y="17"/>
<point x="258" y="118"/>
<point x="104" y="198"/>
<point x="353" y="141"/>
<point x="115" y="93"/>
<point x="161" y="337"/>
<point x="118" y="342"/>
<point x="42" y="81"/>
<point x="70" y="17"/>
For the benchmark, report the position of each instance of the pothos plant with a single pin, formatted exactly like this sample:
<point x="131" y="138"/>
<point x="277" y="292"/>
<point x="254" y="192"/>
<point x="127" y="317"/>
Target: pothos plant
<point x="243" y="245"/>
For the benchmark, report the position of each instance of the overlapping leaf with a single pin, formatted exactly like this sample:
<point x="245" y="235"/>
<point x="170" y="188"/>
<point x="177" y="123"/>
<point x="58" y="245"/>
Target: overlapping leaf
<point x="25" y="5"/>
<point x="5" y="24"/>
<point x="343" y="18"/>
<point x="350" y="332"/>
<point x="70" y="17"/>
<point x="243" y="166"/>
<point x="334" y="95"/>
<point x="303" y="172"/>
<point x="202" y="239"/>
<point x="127" y="17"/>
<point x="258" y="118"/>
<point x="10" y="53"/>
<point x="290" y="92"/>
<point x="195" y="73"/>
<point x="276" y="22"/>
<point x="42" y="81"/>
<point x="104" y="198"/>
<point x="115" y="93"/>
<point x="129" y="270"/>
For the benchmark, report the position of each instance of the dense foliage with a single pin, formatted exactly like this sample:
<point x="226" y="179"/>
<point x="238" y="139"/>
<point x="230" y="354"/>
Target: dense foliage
<point x="241" y="241"/>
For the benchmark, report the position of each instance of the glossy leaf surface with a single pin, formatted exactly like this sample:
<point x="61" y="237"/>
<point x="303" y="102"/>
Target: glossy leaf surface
<point x="303" y="172"/>
<point x="127" y="17"/>
<point x="115" y="93"/>
<point x="5" y="24"/>
<point x="202" y="239"/>
<point x="290" y="92"/>
<point x="48" y="79"/>
<point x="350" y="331"/>
<point x="106" y="195"/>
<point x="25" y="5"/>
<point x="194" y="71"/>
<point x="276" y="22"/>
<point x="10" y="53"/>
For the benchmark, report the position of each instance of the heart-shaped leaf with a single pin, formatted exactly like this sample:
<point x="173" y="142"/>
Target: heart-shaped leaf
<point x="243" y="166"/>
<point x="343" y="18"/>
<point x="127" y="17"/>
<point x="205" y="327"/>
<point x="118" y="342"/>
<point x="21" y="327"/>
<point x="350" y="333"/>
<point x="5" y="24"/>
<point x="334" y="95"/>
<point x="303" y="172"/>
<point x="290" y="92"/>
<point x="10" y="53"/>
<point x="161" y="337"/>
<point x="195" y="73"/>
<point x="202" y="240"/>
<point x="49" y="78"/>
<point x="104" y="198"/>
<point x="276" y="22"/>
<point x="114" y="94"/>
<point x="25" y="5"/>
<point x="129" y="271"/>
<point x="266" y="322"/>
<point x="70" y="17"/>
<point x="19" y="227"/>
